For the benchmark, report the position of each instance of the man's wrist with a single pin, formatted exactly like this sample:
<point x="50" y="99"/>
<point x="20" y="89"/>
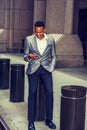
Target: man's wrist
<point x="29" y="57"/>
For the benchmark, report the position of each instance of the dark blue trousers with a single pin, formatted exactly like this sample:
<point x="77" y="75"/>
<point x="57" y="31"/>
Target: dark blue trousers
<point x="46" y="79"/>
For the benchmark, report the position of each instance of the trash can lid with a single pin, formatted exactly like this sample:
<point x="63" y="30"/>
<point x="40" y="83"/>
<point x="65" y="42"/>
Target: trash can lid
<point x="73" y="91"/>
<point x="17" y="66"/>
<point x="4" y="60"/>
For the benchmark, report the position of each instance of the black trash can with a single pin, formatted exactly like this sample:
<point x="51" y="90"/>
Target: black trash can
<point x="17" y="82"/>
<point x="4" y="73"/>
<point x="73" y="104"/>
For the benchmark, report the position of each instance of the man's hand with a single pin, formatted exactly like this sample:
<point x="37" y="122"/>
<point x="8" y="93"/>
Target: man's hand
<point x="33" y="56"/>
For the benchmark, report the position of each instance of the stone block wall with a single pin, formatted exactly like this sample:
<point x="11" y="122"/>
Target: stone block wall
<point x="3" y="25"/>
<point x="16" y="22"/>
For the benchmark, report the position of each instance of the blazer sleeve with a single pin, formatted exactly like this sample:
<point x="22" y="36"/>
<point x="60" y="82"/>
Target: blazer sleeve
<point x="53" y="61"/>
<point x="26" y="50"/>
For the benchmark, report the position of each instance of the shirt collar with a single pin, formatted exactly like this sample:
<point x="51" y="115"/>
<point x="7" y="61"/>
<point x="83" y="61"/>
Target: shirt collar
<point x="45" y="37"/>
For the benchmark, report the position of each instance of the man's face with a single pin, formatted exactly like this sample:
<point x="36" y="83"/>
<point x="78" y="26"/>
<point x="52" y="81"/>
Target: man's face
<point x="39" y="32"/>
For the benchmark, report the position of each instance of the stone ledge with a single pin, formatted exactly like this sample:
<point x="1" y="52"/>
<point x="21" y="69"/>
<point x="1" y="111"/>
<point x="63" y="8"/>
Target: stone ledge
<point x="69" y="63"/>
<point x="69" y="51"/>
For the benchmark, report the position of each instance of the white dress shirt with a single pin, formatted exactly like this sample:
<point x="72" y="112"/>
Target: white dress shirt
<point x="41" y="44"/>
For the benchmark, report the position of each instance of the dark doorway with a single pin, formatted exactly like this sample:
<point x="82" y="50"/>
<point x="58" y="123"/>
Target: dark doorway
<point x="82" y="30"/>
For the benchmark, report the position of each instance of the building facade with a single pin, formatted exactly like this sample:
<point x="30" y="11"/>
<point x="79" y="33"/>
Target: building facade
<point x="65" y="20"/>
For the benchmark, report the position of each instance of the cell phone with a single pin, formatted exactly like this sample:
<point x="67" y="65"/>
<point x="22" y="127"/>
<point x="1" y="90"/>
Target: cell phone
<point x="36" y="55"/>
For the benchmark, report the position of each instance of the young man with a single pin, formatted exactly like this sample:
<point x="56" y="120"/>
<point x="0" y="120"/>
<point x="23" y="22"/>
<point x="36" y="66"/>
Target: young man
<point x="41" y="55"/>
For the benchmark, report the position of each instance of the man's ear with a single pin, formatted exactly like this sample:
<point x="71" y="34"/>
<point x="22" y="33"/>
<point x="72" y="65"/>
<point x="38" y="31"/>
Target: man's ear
<point x="44" y="30"/>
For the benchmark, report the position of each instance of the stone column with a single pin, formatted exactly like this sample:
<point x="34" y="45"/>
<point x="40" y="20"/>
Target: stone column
<point x="59" y="20"/>
<point x="68" y="27"/>
<point x="11" y="17"/>
<point x="39" y="10"/>
<point x="55" y="14"/>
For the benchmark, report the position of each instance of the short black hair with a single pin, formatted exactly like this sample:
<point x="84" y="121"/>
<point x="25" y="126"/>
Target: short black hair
<point x="39" y="24"/>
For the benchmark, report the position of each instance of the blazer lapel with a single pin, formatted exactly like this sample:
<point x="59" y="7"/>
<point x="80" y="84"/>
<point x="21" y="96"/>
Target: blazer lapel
<point x="48" y="43"/>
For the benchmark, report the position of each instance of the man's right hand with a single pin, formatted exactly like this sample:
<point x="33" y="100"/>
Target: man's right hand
<point x="33" y="56"/>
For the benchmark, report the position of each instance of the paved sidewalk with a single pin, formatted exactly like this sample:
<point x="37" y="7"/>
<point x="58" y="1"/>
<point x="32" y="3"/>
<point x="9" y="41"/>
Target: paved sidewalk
<point x="15" y="114"/>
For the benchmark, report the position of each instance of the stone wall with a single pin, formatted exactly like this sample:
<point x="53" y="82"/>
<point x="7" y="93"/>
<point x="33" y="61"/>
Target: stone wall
<point x="16" y="22"/>
<point x="39" y="10"/>
<point x="61" y="17"/>
<point x="3" y="25"/>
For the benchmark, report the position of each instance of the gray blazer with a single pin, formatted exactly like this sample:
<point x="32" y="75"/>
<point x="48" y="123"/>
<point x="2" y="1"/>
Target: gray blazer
<point x="47" y="59"/>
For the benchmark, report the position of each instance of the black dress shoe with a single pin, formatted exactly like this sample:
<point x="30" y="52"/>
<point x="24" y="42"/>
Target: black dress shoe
<point x="50" y="124"/>
<point x="31" y="126"/>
